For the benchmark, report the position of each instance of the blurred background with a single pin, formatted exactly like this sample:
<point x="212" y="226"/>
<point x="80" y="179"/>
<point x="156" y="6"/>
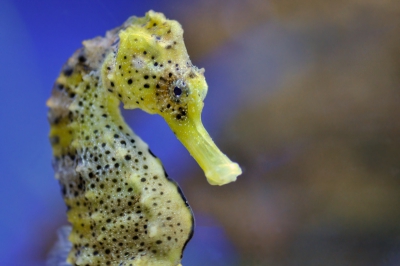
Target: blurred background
<point x="303" y="95"/>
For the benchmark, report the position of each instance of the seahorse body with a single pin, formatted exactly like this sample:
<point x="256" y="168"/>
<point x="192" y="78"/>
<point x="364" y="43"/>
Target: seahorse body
<point x="123" y="208"/>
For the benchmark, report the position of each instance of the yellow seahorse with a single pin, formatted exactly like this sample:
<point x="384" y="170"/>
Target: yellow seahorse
<point x="123" y="208"/>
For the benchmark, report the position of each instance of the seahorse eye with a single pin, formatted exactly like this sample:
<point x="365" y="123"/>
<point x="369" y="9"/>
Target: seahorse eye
<point x="177" y="91"/>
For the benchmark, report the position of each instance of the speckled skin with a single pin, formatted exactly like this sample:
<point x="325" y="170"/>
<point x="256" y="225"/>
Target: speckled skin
<point x="123" y="208"/>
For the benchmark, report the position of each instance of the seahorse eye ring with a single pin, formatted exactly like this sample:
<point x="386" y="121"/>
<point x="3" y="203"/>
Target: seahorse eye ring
<point x="178" y="88"/>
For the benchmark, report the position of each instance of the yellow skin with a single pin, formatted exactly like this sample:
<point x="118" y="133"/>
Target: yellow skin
<point x="123" y="208"/>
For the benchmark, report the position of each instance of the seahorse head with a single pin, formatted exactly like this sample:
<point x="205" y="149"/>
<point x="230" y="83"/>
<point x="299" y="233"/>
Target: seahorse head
<point x="151" y="70"/>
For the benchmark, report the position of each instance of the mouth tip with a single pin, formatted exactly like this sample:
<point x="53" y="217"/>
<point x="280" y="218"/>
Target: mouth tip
<point x="223" y="174"/>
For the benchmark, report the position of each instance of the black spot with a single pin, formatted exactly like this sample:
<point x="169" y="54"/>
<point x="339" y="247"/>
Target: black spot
<point x="129" y="81"/>
<point x="143" y="179"/>
<point x="68" y="71"/>
<point x="82" y="59"/>
<point x="60" y="86"/>
<point x="146" y="86"/>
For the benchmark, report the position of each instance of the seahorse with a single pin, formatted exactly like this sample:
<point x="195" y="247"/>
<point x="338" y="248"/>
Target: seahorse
<point x="123" y="207"/>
